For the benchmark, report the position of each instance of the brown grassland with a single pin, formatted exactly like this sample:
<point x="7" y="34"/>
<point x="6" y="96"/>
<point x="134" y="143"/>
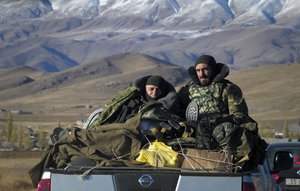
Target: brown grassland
<point x="13" y="170"/>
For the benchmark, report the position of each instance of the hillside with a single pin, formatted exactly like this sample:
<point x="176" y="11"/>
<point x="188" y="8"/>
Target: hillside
<point x="272" y="92"/>
<point x="74" y="93"/>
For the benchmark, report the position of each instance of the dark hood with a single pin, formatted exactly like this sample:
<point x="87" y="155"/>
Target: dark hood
<point x="169" y="93"/>
<point x="221" y="71"/>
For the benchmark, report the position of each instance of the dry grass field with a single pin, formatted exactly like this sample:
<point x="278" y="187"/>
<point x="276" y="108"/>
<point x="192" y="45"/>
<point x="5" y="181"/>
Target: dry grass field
<point x="272" y="92"/>
<point x="13" y="170"/>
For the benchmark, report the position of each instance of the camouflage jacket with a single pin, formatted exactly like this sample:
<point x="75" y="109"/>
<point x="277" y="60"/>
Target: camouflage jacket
<point x="220" y="97"/>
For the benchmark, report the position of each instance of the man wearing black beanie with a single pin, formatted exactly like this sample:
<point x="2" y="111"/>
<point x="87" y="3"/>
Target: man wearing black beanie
<point x="131" y="100"/>
<point x="218" y="111"/>
<point x="155" y="88"/>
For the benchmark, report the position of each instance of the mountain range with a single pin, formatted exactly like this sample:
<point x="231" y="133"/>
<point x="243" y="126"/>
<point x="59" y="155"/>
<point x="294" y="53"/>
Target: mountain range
<point x="54" y="35"/>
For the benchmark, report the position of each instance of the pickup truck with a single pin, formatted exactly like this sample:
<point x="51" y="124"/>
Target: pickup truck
<point x="88" y="177"/>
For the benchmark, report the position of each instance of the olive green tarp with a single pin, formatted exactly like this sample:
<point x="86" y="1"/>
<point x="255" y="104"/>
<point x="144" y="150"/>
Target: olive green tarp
<point x="118" y="144"/>
<point x="112" y="144"/>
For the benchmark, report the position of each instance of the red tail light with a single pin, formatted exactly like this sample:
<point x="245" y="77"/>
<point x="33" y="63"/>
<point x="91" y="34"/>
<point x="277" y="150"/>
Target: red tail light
<point x="45" y="182"/>
<point x="44" y="185"/>
<point x="297" y="159"/>
<point x="276" y="176"/>
<point x="248" y="186"/>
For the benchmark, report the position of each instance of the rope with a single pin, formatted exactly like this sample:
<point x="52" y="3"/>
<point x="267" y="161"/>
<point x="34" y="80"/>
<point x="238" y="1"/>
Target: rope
<point x="224" y="159"/>
<point x="192" y="160"/>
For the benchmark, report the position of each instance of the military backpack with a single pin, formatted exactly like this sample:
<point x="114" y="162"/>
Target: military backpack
<point x="123" y="106"/>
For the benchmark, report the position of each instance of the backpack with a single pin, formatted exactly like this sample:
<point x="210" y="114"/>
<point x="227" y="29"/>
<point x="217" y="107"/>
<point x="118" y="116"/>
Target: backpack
<point x="123" y="106"/>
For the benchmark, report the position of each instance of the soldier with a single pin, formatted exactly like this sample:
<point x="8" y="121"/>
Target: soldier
<point x="145" y="90"/>
<point x="217" y="110"/>
<point x="151" y="95"/>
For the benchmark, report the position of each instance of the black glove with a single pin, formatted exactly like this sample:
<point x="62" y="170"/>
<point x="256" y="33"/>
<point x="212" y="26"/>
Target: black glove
<point x="223" y="119"/>
<point x="172" y="129"/>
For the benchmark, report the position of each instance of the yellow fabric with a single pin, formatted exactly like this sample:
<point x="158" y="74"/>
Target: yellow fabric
<point x="159" y="154"/>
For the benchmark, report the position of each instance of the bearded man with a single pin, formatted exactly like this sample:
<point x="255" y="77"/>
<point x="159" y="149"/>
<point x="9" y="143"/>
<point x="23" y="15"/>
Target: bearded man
<point x="216" y="109"/>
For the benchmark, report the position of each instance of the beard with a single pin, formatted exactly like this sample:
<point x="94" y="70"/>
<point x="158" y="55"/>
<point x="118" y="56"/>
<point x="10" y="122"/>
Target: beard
<point x="204" y="81"/>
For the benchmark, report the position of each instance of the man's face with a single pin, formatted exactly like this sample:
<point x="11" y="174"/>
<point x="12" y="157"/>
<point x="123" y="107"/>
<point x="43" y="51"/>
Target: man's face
<point x="153" y="91"/>
<point x="204" y="73"/>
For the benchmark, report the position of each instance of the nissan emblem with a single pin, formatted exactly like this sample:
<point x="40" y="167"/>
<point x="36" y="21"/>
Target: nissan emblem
<point x="146" y="180"/>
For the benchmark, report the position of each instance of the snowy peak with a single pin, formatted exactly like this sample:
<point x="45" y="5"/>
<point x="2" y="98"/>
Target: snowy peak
<point x="53" y="35"/>
<point x="212" y="12"/>
<point x="82" y="8"/>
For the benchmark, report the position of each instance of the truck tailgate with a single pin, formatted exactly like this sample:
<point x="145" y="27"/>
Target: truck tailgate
<point x="146" y="181"/>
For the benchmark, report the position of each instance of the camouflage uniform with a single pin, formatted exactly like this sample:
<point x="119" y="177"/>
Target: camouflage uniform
<point x="221" y="97"/>
<point x="219" y="115"/>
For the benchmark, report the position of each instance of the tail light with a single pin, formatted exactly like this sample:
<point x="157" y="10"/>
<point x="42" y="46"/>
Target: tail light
<point x="248" y="186"/>
<point x="276" y="176"/>
<point x="44" y="185"/>
<point x="297" y="159"/>
<point x="45" y="182"/>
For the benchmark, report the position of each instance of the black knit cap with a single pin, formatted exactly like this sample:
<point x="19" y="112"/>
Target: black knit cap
<point x="156" y="81"/>
<point x="206" y="59"/>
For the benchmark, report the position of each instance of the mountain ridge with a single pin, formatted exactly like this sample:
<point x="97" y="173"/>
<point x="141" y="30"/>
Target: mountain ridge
<point x="17" y="85"/>
<point x="52" y="36"/>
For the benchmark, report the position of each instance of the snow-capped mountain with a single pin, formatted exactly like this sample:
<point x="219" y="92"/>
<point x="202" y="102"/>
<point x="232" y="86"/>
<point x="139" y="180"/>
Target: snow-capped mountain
<point x="53" y="35"/>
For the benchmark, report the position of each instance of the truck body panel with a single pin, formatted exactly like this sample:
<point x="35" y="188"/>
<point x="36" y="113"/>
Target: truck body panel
<point x="75" y="182"/>
<point x="139" y="180"/>
<point x="158" y="179"/>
